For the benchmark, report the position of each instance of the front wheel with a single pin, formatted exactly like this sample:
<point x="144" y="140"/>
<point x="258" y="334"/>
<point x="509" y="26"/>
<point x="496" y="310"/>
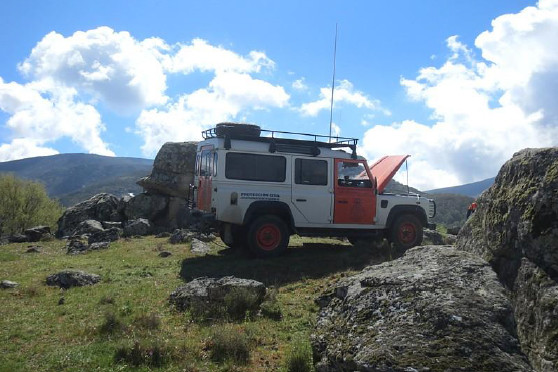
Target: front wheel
<point x="406" y="232"/>
<point x="268" y="236"/>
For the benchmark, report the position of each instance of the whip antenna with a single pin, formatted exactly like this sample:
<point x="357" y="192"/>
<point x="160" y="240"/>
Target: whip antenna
<point x="332" y="84"/>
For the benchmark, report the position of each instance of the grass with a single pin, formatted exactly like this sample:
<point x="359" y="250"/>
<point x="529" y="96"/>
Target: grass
<point x="125" y="322"/>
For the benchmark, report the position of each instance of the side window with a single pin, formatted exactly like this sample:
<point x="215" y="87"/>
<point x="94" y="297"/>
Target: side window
<point x="205" y="169"/>
<point x="198" y="164"/>
<point x="310" y="172"/>
<point x="215" y="158"/>
<point x="251" y="167"/>
<point x="351" y="174"/>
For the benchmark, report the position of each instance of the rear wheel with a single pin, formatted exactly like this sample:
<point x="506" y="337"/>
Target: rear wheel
<point x="406" y="232"/>
<point x="268" y="236"/>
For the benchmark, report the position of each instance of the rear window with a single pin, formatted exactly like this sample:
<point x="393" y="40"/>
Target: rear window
<point x="310" y="172"/>
<point x="251" y="167"/>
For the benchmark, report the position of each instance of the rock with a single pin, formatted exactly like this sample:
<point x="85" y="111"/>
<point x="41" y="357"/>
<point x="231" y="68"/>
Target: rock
<point x="536" y="311"/>
<point x="88" y="227"/>
<point x="76" y="245"/>
<point x="61" y="301"/>
<point x="214" y="290"/>
<point x="164" y="234"/>
<point x="173" y="170"/>
<point x="141" y="227"/>
<point x="515" y="228"/>
<point x="148" y="206"/>
<point x="181" y="236"/>
<point x="38" y="233"/>
<point x="110" y="235"/>
<point x="70" y="278"/>
<point x="109" y="225"/>
<point x="164" y="254"/>
<point x="436" y="308"/>
<point x="98" y="245"/>
<point x="453" y="230"/>
<point x="34" y="249"/>
<point x="18" y="238"/>
<point x="199" y="247"/>
<point x="432" y="237"/>
<point x="101" y="207"/>
<point x="6" y="284"/>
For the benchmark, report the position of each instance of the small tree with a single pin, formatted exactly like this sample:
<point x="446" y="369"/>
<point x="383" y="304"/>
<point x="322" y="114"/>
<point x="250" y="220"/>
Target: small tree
<point x="25" y="204"/>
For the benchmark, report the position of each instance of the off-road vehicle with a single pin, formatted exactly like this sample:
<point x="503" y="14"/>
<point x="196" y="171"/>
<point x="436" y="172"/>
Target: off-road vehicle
<point x="258" y="187"/>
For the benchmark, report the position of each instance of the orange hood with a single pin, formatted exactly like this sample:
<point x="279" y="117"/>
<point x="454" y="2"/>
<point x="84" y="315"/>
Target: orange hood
<point x="385" y="168"/>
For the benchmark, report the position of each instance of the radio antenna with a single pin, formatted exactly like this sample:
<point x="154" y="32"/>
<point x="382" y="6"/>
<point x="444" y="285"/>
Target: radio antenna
<point x="332" y="84"/>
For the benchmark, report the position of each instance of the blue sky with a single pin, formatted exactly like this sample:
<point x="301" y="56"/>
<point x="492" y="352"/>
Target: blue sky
<point x="459" y="85"/>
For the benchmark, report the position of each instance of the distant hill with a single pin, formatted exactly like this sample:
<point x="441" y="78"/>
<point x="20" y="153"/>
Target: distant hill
<point x="471" y="189"/>
<point x="76" y="177"/>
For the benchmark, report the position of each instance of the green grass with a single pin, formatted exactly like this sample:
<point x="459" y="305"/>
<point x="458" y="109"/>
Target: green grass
<point x="126" y="323"/>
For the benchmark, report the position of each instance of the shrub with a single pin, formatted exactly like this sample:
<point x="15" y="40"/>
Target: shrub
<point x="24" y="204"/>
<point x="241" y="303"/>
<point x="299" y="358"/>
<point x="148" y="321"/>
<point x="229" y="343"/>
<point x="112" y="324"/>
<point x="154" y="355"/>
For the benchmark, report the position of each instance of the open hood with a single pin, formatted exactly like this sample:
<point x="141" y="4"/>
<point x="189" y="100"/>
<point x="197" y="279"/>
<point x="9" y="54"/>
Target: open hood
<point x="385" y="168"/>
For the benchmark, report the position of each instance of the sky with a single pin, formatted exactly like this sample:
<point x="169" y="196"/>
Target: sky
<point x="459" y="85"/>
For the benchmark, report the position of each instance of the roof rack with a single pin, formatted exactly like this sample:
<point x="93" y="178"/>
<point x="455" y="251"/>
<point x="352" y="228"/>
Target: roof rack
<point x="306" y="143"/>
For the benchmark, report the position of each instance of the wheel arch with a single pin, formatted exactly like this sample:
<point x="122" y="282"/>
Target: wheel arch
<point x="276" y="208"/>
<point x="400" y="210"/>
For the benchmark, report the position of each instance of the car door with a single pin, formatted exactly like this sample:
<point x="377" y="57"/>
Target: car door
<point x="355" y="198"/>
<point x="312" y="189"/>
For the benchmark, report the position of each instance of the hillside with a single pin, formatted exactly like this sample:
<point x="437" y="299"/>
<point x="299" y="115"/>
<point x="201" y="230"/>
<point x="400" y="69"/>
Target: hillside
<point x="75" y="177"/>
<point x="470" y="189"/>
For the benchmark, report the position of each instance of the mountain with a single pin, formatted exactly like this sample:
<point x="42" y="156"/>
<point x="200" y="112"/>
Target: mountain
<point x="72" y="178"/>
<point x="470" y="189"/>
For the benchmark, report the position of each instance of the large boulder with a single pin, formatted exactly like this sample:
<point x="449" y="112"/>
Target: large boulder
<point x="140" y="227"/>
<point x="173" y="170"/>
<point x="436" y="308"/>
<point x="38" y="233"/>
<point x="72" y="278"/>
<point x="146" y="205"/>
<point x="101" y="207"/>
<point x="515" y="228"/>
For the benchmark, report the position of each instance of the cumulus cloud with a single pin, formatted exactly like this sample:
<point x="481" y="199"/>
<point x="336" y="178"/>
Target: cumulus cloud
<point x="344" y="93"/>
<point x="299" y="84"/>
<point x="484" y="109"/>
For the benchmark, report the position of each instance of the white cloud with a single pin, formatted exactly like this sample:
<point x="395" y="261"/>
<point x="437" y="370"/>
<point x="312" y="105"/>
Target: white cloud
<point x="299" y="84"/>
<point x="124" y="73"/>
<point x="344" y="93"/>
<point x="21" y="148"/>
<point x="484" y="110"/>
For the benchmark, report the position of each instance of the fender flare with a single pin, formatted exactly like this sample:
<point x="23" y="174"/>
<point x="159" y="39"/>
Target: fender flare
<point x="415" y="210"/>
<point x="259" y="208"/>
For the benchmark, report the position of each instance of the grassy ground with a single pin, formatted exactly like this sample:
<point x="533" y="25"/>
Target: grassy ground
<point x="125" y="322"/>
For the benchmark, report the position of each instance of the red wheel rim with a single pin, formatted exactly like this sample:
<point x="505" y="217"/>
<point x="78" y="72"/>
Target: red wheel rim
<point x="407" y="233"/>
<point x="268" y="237"/>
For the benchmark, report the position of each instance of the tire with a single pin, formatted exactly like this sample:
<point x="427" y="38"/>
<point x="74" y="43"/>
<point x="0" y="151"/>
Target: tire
<point x="234" y="130"/>
<point x="238" y="237"/>
<point x="268" y="236"/>
<point x="406" y="232"/>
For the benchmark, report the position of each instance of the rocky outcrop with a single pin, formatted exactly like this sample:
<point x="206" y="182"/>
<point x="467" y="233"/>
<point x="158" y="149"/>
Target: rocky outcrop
<point x="436" y="308"/>
<point x="173" y="170"/>
<point x="72" y="278"/>
<point x="515" y="228"/>
<point x="213" y="290"/>
<point x="141" y="226"/>
<point x="38" y="233"/>
<point x="101" y="207"/>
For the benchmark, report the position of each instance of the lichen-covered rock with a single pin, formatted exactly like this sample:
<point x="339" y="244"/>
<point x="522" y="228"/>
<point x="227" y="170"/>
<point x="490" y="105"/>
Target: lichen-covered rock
<point x="436" y="309"/>
<point x="7" y="284"/>
<point x="138" y="227"/>
<point x="72" y="278"/>
<point x="432" y="237"/>
<point x="199" y="247"/>
<point x="76" y="245"/>
<point x="101" y="207"/>
<point x="536" y="311"/>
<point x="214" y="290"/>
<point x="37" y="233"/>
<point x="88" y="227"/>
<point x="148" y="206"/>
<point x="181" y="236"/>
<point x="515" y="228"/>
<point x="173" y="170"/>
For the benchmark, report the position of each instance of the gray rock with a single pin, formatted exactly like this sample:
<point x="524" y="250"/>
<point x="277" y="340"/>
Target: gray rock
<point x="436" y="308"/>
<point x="109" y="225"/>
<point x="173" y="170"/>
<point x="34" y="249"/>
<point x="98" y="245"/>
<point x="88" y="227"/>
<point x="199" y="247"/>
<point x="72" y="278"/>
<point x="181" y="236"/>
<point x="515" y="228"/>
<point x="141" y="227"/>
<point x="214" y="290"/>
<point x="148" y="206"/>
<point x="432" y="237"/>
<point x="76" y="245"/>
<point x="101" y="207"/>
<point x="7" y="284"/>
<point x="454" y="230"/>
<point x="110" y="235"/>
<point x="18" y="238"/>
<point x="38" y="233"/>
<point x="164" y="234"/>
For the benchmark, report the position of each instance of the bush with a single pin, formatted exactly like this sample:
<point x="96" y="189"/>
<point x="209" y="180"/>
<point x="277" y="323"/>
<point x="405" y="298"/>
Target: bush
<point x="241" y="303"/>
<point x="148" y="321"/>
<point x="299" y="358"/>
<point x="154" y="355"/>
<point x="270" y="308"/>
<point x="229" y="343"/>
<point x="111" y="325"/>
<point x="24" y="204"/>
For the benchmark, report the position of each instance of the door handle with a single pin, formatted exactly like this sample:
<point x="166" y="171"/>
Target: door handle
<point x="300" y="200"/>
